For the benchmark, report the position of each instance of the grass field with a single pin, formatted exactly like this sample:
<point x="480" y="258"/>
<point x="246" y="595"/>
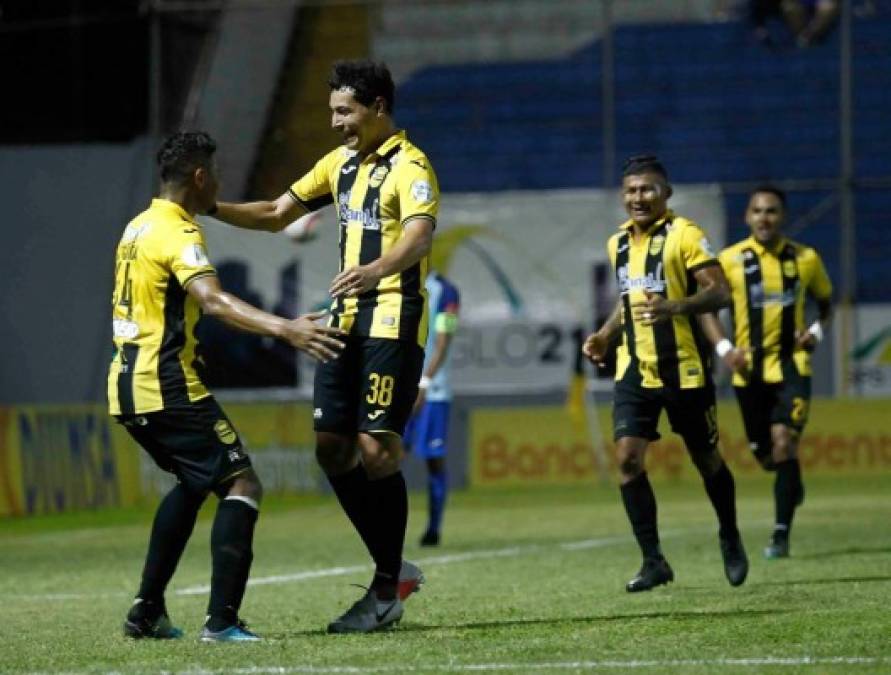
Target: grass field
<point x="526" y="581"/>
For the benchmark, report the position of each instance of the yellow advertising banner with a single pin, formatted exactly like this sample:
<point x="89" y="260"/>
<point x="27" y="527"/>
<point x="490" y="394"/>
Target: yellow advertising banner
<point x="516" y="446"/>
<point x="63" y="458"/>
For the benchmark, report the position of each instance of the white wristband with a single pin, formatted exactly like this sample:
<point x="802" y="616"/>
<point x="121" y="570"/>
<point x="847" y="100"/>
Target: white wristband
<point x="424" y="383"/>
<point x="816" y="330"/>
<point x="723" y="347"/>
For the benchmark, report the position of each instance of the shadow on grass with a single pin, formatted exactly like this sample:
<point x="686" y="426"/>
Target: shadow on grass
<point x="558" y="621"/>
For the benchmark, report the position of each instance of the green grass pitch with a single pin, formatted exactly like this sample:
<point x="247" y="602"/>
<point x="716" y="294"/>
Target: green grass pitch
<point x="526" y="581"/>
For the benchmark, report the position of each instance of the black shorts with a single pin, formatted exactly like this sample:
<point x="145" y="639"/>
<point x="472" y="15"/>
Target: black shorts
<point x="786" y="402"/>
<point x="196" y="442"/>
<point x="371" y="386"/>
<point x="691" y="412"/>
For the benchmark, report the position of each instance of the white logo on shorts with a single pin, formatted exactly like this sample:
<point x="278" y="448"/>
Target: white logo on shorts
<point x="317" y="414"/>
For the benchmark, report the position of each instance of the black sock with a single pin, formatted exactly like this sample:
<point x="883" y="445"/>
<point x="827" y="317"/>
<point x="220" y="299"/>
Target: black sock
<point x="171" y="529"/>
<point x="786" y="490"/>
<point x="640" y="505"/>
<point x="231" y="541"/>
<point x="388" y="521"/>
<point x="722" y="493"/>
<point x="352" y="490"/>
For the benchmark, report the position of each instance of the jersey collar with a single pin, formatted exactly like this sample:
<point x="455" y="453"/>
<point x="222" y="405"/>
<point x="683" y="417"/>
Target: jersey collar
<point x="167" y="205"/>
<point x="385" y="147"/>
<point x="628" y="225"/>
<point x="761" y="249"/>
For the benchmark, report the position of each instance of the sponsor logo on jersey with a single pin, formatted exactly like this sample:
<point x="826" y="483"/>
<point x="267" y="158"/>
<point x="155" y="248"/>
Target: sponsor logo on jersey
<point x="789" y="268"/>
<point x="194" y="255"/>
<point x="123" y="328"/>
<point x="422" y="192"/>
<point x="225" y="432"/>
<point x="656" y="244"/>
<point x="378" y="175"/>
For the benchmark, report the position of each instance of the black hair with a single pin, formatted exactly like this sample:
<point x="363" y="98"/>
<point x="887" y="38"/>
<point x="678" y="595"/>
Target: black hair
<point x="368" y="80"/>
<point x="638" y="164"/>
<point x="770" y="189"/>
<point x="182" y="153"/>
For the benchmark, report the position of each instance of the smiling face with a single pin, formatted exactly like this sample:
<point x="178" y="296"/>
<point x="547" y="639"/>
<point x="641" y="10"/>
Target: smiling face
<point x="360" y="127"/>
<point x="645" y="196"/>
<point x="764" y="216"/>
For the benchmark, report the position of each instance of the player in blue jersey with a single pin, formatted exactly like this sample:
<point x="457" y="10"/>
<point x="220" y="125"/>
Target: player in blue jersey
<point x="427" y="431"/>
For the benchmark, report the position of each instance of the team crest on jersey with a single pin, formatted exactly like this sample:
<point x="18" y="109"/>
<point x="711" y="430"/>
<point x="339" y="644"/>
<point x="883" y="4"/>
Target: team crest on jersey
<point x="656" y="244"/>
<point x="378" y="175"/>
<point x="789" y="268"/>
<point x="225" y="432"/>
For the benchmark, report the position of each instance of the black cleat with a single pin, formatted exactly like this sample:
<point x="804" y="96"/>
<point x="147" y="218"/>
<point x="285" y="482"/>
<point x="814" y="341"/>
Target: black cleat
<point x="148" y="620"/>
<point x="430" y="538"/>
<point x="654" y="572"/>
<point x="736" y="564"/>
<point x="777" y="548"/>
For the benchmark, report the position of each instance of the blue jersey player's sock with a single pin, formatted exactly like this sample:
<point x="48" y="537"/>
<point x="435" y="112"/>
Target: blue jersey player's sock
<point x="437" y="490"/>
<point x="231" y="546"/>
<point x="171" y="529"/>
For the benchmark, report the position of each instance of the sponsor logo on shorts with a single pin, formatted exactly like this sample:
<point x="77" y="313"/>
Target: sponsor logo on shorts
<point x="389" y="320"/>
<point x="317" y="414"/>
<point x="235" y="454"/>
<point x="374" y="415"/>
<point x="225" y="432"/>
<point x="124" y="328"/>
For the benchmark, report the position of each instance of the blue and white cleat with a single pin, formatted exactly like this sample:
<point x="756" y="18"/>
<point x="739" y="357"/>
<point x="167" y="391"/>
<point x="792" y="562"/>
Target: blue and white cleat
<point x="235" y="633"/>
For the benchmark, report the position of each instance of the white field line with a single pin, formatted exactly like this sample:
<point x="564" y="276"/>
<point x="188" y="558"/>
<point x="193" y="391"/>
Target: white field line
<point x="447" y="559"/>
<point x="607" y="664"/>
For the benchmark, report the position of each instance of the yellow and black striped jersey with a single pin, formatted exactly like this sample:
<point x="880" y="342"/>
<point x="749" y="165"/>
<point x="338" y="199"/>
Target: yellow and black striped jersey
<point x="374" y="198"/>
<point x="769" y="292"/>
<point x="153" y="317"/>
<point x="671" y="353"/>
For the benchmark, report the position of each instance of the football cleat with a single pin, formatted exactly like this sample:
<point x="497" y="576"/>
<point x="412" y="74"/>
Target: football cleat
<point x="736" y="563"/>
<point x="654" y="572"/>
<point x="237" y="632"/>
<point x="368" y="614"/>
<point x="148" y="620"/>
<point x="410" y="579"/>
<point x="430" y="538"/>
<point x="778" y="548"/>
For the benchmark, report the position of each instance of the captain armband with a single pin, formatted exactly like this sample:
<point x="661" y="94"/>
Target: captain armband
<point x="446" y="322"/>
<point x="816" y="329"/>
<point x="723" y="347"/>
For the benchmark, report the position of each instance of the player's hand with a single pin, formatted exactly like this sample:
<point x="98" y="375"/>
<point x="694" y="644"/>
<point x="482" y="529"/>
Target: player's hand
<point x="737" y="360"/>
<point x="805" y="340"/>
<point x="653" y="310"/>
<point x="320" y="342"/>
<point x="304" y="229"/>
<point x="354" y="281"/>
<point x="419" y="401"/>
<point x="596" y="347"/>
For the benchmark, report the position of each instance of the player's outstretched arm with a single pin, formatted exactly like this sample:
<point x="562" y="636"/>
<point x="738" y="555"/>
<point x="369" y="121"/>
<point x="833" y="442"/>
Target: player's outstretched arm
<point x="303" y="333"/>
<point x="416" y="241"/>
<point x="264" y="216"/>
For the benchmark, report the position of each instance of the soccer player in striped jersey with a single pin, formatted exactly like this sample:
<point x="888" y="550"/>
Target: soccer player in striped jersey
<point x="387" y="199"/>
<point x="163" y="282"/>
<point x="666" y="274"/>
<point x="771" y="278"/>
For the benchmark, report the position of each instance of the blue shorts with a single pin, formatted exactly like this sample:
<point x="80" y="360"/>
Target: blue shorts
<point x="427" y="431"/>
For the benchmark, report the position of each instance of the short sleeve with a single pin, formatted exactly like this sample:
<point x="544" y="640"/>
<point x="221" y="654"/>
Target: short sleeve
<point x="186" y="254"/>
<point x="726" y="258"/>
<point x="696" y="250"/>
<point x="313" y="190"/>
<point x="820" y="286"/>
<point x="418" y="191"/>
